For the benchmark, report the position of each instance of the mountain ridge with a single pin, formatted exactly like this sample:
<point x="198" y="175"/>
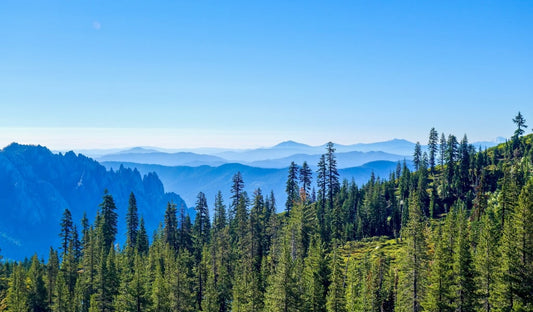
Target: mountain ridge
<point x="37" y="185"/>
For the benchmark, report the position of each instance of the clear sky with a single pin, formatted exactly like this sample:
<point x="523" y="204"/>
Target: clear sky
<point x="86" y="74"/>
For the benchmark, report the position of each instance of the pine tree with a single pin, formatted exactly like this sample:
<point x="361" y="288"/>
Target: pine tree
<point x="465" y="288"/>
<point x="321" y="205"/>
<point x="309" y="225"/>
<point x="463" y="171"/>
<point x="240" y="225"/>
<point x="415" y="260"/>
<point x="282" y="293"/>
<point x="442" y="149"/>
<point x="505" y="296"/>
<point x="133" y="293"/>
<point x="241" y="298"/>
<point x="37" y="294"/>
<point x="123" y="301"/>
<point x="356" y="281"/>
<point x="142" y="239"/>
<point x="112" y="278"/>
<point x="132" y="222"/>
<point x="333" y="184"/>
<point x="182" y="282"/>
<point x="370" y="284"/>
<point x="520" y="122"/>
<point x="222" y="270"/>
<point x="486" y="259"/>
<point x="202" y="224"/>
<point x="417" y="155"/>
<point x="247" y="294"/>
<point x="109" y="220"/>
<point x="315" y="277"/>
<point x="86" y="281"/>
<point x="84" y="231"/>
<point x="381" y="284"/>
<point x="247" y="288"/>
<point x="321" y="179"/>
<point x="336" y="300"/>
<point x="17" y="294"/>
<point x="524" y="234"/>
<point x="295" y="233"/>
<point x="160" y="288"/>
<point x="440" y="281"/>
<point x="61" y="303"/>
<point x="291" y="187"/>
<point x="185" y="231"/>
<point x="271" y="223"/>
<point x="220" y="220"/>
<point x="306" y="176"/>
<point x="432" y="147"/>
<point x="236" y="190"/>
<point x="338" y="217"/>
<point x="76" y="247"/>
<point x="66" y="230"/>
<point x="450" y="174"/>
<point x="508" y="197"/>
<point x="210" y="302"/>
<point x="201" y="230"/>
<point x="106" y="281"/>
<point x="170" y="234"/>
<point x="52" y="270"/>
<point x="422" y="186"/>
<point x="257" y="229"/>
<point x="68" y="270"/>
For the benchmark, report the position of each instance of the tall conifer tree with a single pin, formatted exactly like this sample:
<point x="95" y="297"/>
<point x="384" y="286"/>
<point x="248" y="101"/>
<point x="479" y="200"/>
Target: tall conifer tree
<point x="109" y="220"/>
<point x="414" y="264"/>
<point x="170" y="233"/>
<point x="66" y="230"/>
<point x="306" y="177"/>
<point x="236" y="192"/>
<point x="433" y="148"/>
<point x="291" y="187"/>
<point x="336" y="300"/>
<point x="132" y="222"/>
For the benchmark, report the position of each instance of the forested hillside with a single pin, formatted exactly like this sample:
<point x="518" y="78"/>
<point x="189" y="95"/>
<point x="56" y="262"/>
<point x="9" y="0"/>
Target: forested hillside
<point x="456" y="234"/>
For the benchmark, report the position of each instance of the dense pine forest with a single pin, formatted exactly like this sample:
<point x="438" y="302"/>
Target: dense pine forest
<point x="454" y="234"/>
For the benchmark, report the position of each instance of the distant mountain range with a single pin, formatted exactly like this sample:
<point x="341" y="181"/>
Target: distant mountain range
<point x="344" y="160"/>
<point x="278" y="156"/>
<point x="188" y="181"/>
<point x="36" y="186"/>
<point x="144" y="156"/>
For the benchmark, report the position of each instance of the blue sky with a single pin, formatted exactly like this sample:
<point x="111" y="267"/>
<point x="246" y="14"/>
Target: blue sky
<point x="87" y="74"/>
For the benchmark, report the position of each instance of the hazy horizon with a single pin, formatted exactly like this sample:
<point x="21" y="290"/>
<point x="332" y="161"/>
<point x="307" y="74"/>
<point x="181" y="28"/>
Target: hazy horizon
<point x="64" y="139"/>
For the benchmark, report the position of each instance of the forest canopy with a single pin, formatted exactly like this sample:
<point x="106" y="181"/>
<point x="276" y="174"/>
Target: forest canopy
<point x="456" y="233"/>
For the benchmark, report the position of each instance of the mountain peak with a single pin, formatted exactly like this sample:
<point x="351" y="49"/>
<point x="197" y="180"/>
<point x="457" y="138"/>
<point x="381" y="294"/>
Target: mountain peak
<point x="290" y="144"/>
<point x="139" y="150"/>
<point x="400" y="140"/>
